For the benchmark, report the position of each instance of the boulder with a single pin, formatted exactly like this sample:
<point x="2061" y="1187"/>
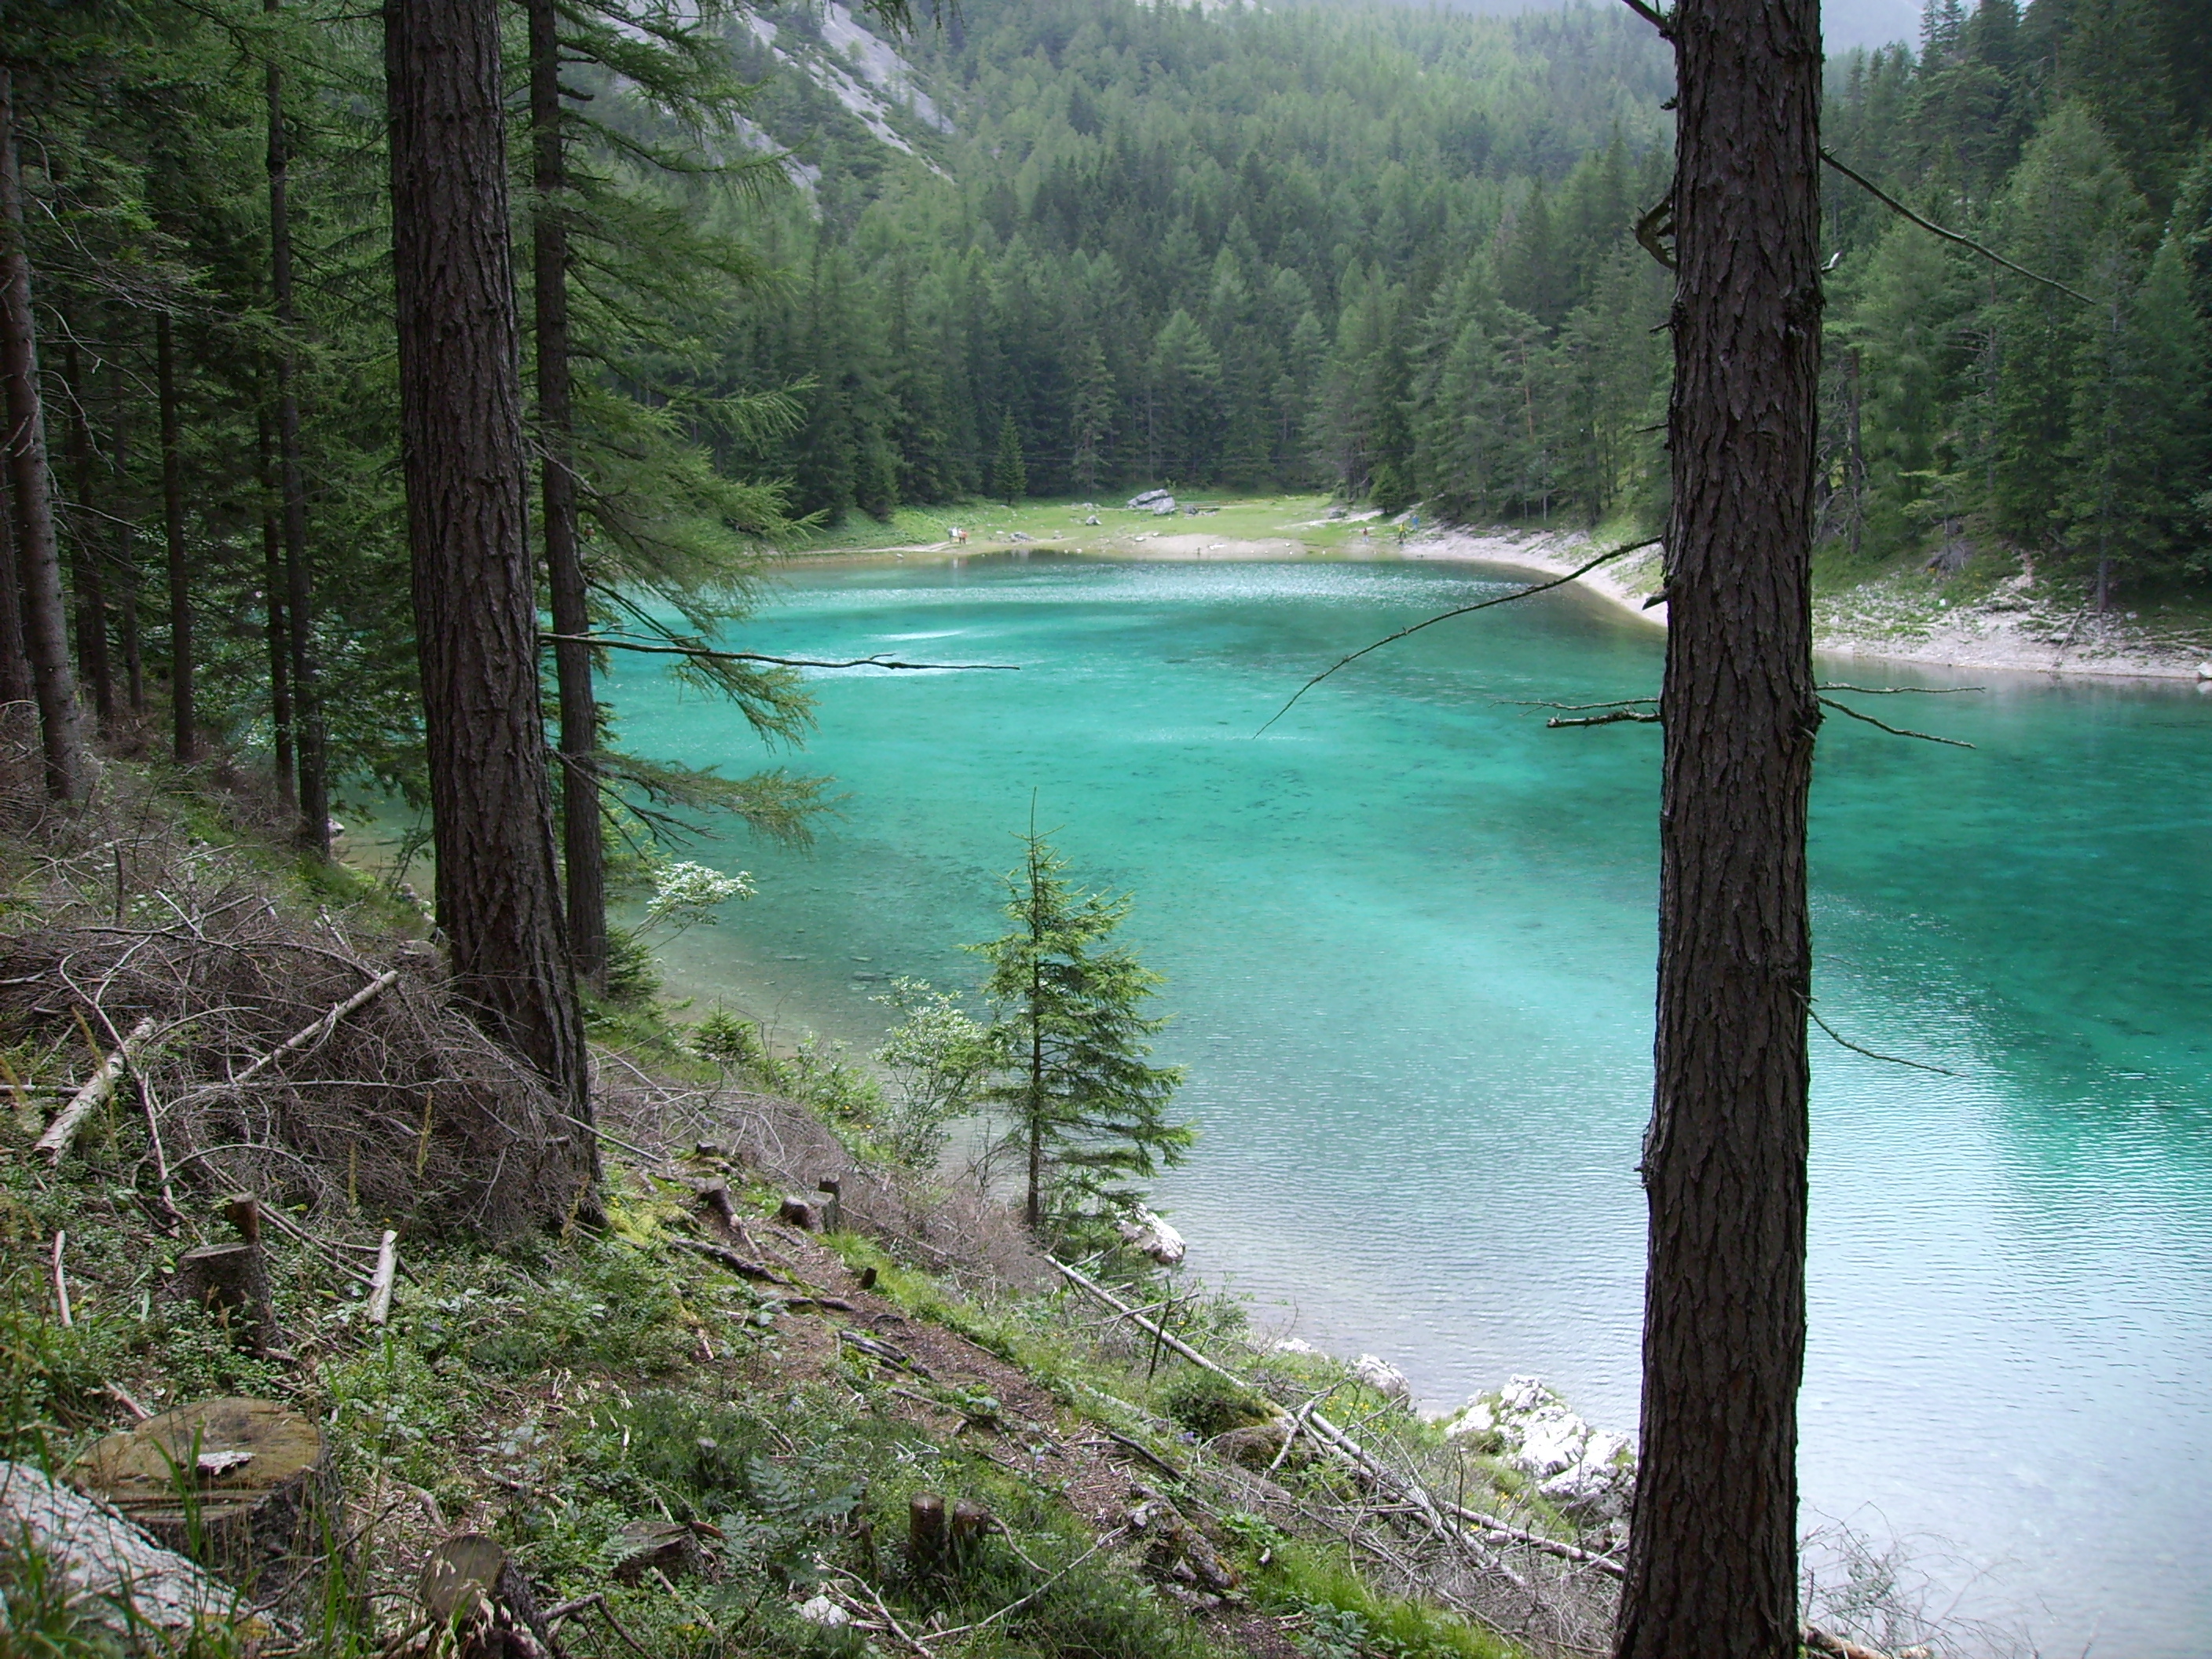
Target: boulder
<point x="1149" y="1235"/>
<point x="1370" y="1372"/>
<point x="1293" y="1344"/>
<point x="1151" y="499"/>
<point x="1589" y="1473"/>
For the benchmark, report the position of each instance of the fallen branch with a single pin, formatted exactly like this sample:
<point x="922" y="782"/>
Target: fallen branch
<point x="380" y="1284"/>
<point x="1837" y="1647"/>
<point x="611" y="642"/>
<point x="63" y="1130"/>
<point x="61" y="1281"/>
<point x="730" y="1259"/>
<point x="321" y="1028"/>
<point x="1614" y="718"/>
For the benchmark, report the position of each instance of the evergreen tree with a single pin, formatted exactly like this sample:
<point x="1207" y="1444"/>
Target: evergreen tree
<point x="1067" y="1047"/>
<point x="1010" y="478"/>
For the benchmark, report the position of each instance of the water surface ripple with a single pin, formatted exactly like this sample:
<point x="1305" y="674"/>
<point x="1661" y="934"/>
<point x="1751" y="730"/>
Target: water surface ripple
<point x="1410" y="936"/>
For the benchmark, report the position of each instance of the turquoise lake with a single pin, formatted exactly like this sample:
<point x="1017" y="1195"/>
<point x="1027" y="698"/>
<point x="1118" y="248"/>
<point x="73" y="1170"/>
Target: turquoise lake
<point x="1409" y="937"/>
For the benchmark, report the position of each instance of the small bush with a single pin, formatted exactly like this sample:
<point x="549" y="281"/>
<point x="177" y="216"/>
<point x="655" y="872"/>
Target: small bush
<point x="1208" y="1405"/>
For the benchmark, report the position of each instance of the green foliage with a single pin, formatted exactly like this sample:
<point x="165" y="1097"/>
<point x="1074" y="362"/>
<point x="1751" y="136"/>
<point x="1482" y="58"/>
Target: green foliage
<point x="1066" y="1046"/>
<point x="1208" y="1405"/>
<point x="937" y="1056"/>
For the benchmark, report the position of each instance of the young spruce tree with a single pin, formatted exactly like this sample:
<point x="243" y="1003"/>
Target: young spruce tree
<point x="1067" y="1048"/>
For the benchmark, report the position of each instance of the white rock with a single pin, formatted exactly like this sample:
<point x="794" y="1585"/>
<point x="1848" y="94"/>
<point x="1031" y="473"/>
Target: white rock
<point x="2204" y="670"/>
<point x="825" y="1612"/>
<point x="1149" y="499"/>
<point x="1293" y="1344"/>
<point x="1150" y="1235"/>
<point x="1382" y="1376"/>
<point x="1590" y="1472"/>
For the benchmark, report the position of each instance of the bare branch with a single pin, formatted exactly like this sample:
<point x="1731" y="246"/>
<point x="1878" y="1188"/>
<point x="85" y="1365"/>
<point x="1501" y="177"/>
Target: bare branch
<point x="1614" y="718"/>
<point x="1933" y="228"/>
<point x="1893" y="731"/>
<point x="1658" y="19"/>
<point x="1463" y="611"/>
<point x="1903" y="691"/>
<point x="613" y="643"/>
<point x="1813" y="1014"/>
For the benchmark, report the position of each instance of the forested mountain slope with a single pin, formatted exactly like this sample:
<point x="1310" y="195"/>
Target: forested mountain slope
<point x="1393" y="253"/>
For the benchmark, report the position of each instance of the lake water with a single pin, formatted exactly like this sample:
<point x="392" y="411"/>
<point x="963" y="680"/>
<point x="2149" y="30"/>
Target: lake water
<point x="1409" y="933"/>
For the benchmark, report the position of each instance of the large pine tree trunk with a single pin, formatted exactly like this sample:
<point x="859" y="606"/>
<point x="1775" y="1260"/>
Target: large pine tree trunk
<point x="583" y="844"/>
<point x="1713" y="1565"/>
<point x="277" y="630"/>
<point x="15" y="665"/>
<point x="126" y="551"/>
<point x="84" y="548"/>
<point x="183" y="715"/>
<point x="38" y="551"/>
<point x="476" y="610"/>
<point x="312" y="832"/>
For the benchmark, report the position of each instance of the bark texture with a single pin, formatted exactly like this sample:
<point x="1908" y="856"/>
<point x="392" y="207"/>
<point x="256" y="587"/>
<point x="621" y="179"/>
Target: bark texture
<point x="183" y="717"/>
<point x="475" y="609"/>
<point x="583" y="841"/>
<point x="38" y="553"/>
<point x="278" y="629"/>
<point x="313" y="794"/>
<point x="1712" y="1566"/>
<point x="84" y="547"/>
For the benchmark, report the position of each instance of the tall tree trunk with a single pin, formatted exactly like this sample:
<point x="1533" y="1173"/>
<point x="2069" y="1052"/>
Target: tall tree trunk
<point x="1857" y="479"/>
<point x="1713" y="1552"/>
<point x="183" y="715"/>
<point x="583" y="841"/>
<point x="313" y="795"/>
<point x="127" y="555"/>
<point x="476" y="606"/>
<point x="15" y="690"/>
<point x="84" y="547"/>
<point x="277" y="627"/>
<point x="38" y="553"/>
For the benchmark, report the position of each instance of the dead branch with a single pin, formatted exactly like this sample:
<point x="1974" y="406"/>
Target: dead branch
<point x="1893" y="731"/>
<point x="1635" y="715"/>
<point x="379" y="1285"/>
<point x="63" y="1130"/>
<point x="1935" y="229"/>
<point x="321" y="1028"/>
<point x="1463" y="611"/>
<point x="614" y="643"/>
<point x="61" y="1280"/>
<point x="1887" y="1059"/>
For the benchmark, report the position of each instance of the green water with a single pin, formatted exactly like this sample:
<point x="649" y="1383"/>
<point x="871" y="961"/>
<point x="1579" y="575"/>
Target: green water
<point x="1410" y="937"/>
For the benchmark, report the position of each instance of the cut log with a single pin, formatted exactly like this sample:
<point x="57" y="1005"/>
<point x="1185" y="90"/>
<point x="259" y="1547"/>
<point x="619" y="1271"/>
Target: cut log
<point x="469" y="1586"/>
<point x="95" y="1092"/>
<point x="231" y="1279"/>
<point x="244" y="1487"/>
<point x="801" y="1213"/>
<point x="116" y="1575"/>
<point x="644" y="1545"/>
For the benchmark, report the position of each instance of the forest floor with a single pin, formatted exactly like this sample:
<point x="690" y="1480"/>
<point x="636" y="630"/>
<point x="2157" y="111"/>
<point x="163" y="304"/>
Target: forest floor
<point x="1992" y="612"/>
<point x="711" y="1410"/>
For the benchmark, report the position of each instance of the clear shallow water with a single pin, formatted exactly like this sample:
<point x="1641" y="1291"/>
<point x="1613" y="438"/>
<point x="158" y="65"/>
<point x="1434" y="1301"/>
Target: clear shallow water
<point x="1410" y="937"/>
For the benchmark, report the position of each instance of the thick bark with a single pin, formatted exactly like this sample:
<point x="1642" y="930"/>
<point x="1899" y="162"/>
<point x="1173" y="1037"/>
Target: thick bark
<point x="583" y="841"/>
<point x="183" y="715"/>
<point x="278" y="629"/>
<point x="38" y="552"/>
<point x="1712" y="1564"/>
<point x="312" y="832"/>
<point x="15" y="665"/>
<point x="84" y="547"/>
<point x="476" y="610"/>
<point x="126" y="557"/>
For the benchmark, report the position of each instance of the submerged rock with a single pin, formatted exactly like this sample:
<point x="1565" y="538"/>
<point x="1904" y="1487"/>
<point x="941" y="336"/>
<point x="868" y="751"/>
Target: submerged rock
<point x="1590" y="1474"/>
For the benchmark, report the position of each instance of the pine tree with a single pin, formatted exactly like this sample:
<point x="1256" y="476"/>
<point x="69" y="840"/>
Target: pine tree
<point x="1067" y="1046"/>
<point x="1010" y="478"/>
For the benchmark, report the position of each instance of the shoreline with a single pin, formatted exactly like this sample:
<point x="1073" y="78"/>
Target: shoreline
<point x="2009" y="630"/>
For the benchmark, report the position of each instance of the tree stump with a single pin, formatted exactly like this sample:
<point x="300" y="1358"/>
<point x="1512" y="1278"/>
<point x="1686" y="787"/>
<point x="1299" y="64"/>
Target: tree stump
<point x="926" y="1537"/>
<point x="244" y="1487"/>
<point x="800" y="1214"/>
<point x="667" y="1545"/>
<point x="231" y="1279"/>
<point x="469" y="1586"/>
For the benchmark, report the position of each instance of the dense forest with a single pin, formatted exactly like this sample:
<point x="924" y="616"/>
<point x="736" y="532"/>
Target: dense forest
<point x="1042" y="247"/>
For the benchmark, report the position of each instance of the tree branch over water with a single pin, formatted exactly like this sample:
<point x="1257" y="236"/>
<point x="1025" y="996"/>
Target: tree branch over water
<point x="614" y="643"/>
<point x="1446" y="616"/>
<point x="1858" y="1049"/>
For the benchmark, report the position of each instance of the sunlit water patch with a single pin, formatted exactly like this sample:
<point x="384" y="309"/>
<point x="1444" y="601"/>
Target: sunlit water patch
<point x="1410" y="936"/>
